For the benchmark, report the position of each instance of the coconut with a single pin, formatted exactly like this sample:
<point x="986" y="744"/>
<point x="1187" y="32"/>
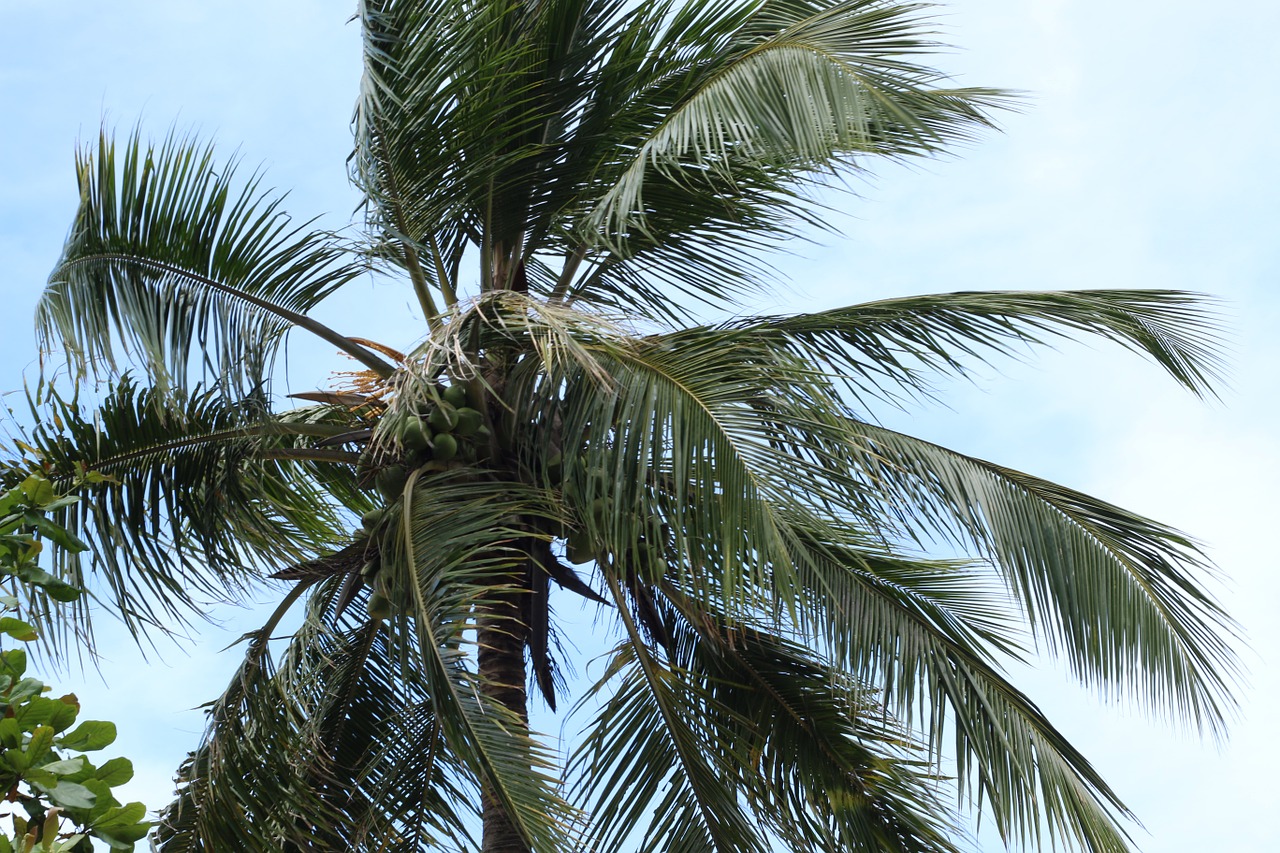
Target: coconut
<point x="415" y="436"/>
<point x="379" y="606"/>
<point x="391" y="481"/>
<point x="444" y="418"/>
<point x="469" y="421"/>
<point x="446" y="447"/>
<point x="456" y="396"/>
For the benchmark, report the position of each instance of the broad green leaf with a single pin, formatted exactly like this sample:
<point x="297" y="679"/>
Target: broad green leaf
<point x="64" y="767"/>
<point x="115" y="771"/>
<point x="72" y="795"/>
<point x="19" y="630"/>
<point x="38" y="490"/>
<point x="89" y="736"/>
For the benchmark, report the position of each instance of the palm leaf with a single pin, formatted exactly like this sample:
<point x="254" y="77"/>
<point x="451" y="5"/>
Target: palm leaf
<point x="652" y="759"/>
<point x="456" y="550"/>
<point x="194" y="495"/>
<point x="1080" y="566"/>
<point x="350" y="735"/>
<point x="829" y="768"/>
<point x="793" y="89"/>
<point x="881" y="347"/>
<point x="176" y="262"/>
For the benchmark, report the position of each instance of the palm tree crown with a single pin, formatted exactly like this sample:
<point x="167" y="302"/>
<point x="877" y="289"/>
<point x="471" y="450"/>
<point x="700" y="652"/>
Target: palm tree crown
<point x="566" y="186"/>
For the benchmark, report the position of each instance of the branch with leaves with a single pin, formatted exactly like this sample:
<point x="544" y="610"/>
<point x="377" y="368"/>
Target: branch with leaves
<point x="58" y="799"/>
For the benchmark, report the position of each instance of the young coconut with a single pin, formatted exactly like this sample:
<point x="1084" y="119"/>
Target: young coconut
<point x="446" y="447"/>
<point x="379" y="606"/>
<point x="415" y="436"/>
<point x="455" y="395"/>
<point x="371" y="519"/>
<point x="444" y="418"/>
<point x="469" y="421"/>
<point x="391" y="481"/>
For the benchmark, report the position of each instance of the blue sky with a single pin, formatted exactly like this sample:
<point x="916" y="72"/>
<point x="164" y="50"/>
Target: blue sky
<point x="1143" y="156"/>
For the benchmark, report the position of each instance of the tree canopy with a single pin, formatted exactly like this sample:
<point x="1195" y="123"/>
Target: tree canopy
<point x="800" y="610"/>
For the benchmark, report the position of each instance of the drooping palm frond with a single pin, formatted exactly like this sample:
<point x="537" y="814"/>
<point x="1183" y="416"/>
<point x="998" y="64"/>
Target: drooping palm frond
<point x="828" y="762"/>
<point x="1081" y="568"/>
<point x="902" y="627"/>
<point x="459" y="544"/>
<point x="177" y="262"/>
<point x="721" y="721"/>
<point x="655" y="773"/>
<point x="881" y="347"/>
<point x="358" y="761"/>
<point x="194" y="496"/>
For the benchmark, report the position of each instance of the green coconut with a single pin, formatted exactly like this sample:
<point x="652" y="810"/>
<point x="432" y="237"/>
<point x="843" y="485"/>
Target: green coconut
<point x="456" y="396"/>
<point x="372" y="518"/>
<point x="379" y="606"/>
<point x="415" y="436"/>
<point x="600" y="510"/>
<point x="444" y="418"/>
<point x="391" y="481"/>
<point x="469" y="421"/>
<point x="446" y="447"/>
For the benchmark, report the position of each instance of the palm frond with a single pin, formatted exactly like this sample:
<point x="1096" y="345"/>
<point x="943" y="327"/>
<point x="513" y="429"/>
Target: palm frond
<point x="177" y="263"/>
<point x="652" y="759"/>
<point x="349" y="735"/>
<point x="829" y="768"/>
<point x="880" y="348"/>
<point x="796" y="88"/>
<point x="1080" y="566"/>
<point x="193" y="495"/>
<point x="456" y="549"/>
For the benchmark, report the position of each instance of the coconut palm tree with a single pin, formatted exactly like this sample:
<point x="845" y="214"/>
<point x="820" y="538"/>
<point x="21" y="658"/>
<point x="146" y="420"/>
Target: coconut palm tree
<point x="567" y="186"/>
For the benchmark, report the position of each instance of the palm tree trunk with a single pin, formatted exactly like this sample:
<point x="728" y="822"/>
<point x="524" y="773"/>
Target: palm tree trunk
<point x="502" y="678"/>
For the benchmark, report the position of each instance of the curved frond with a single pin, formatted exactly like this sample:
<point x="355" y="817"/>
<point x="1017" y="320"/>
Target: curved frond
<point x="796" y="88"/>
<point x="330" y="745"/>
<point x="180" y="265"/>
<point x="881" y="347"/>
<point x="654" y="747"/>
<point x="1115" y="592"/>
<point x="457" y="549"/>
<point x="189" y="498"/>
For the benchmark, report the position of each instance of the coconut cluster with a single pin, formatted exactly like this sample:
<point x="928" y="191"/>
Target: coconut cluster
<point x="442" y="431"/>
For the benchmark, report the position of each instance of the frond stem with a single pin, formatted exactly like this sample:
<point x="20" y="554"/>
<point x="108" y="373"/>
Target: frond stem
<point x="302" y="321"/>
<point x="447" y="289"/>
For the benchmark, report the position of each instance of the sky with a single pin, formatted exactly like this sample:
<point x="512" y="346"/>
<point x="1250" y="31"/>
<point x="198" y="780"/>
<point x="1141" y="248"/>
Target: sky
<point x="1142" y="156"/>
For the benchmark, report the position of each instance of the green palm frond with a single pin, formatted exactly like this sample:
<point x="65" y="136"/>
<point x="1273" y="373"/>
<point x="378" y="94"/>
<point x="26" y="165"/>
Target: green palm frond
<point x="194" y="495"/>
<point x="653" y="748"/>
<point x="829" y="767"/>
<point x="180" y="264"/>
<point x="351" y="733"/>
<point x="457" y="549"/>
<point x="764" y="99"/>
<point x="881" y="347"/>
<point x="1081" y="568"/>
<point x="903" y="627"/>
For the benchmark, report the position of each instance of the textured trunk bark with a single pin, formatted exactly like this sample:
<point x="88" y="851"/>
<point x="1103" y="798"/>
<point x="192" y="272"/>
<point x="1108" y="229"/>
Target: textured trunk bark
<point x="502" y="673"/>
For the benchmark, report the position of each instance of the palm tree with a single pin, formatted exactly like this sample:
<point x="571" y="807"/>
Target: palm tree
<point x="784" y="664"/>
